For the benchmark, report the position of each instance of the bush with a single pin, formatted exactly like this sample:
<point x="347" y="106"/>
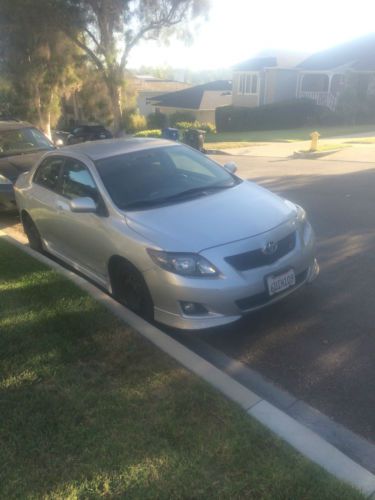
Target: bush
<point x="136" y="123"/>
<point x="132" y="121"/>
<point x="148" y="133"/>
<point x="156" y="120"/>
<point x="286" y="114"/>
<point x="180" y="116"/>
<point x="207" y="127"/>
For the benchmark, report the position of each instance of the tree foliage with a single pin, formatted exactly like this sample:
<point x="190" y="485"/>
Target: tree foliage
<point x="42" y="41"/>
<point x="37" y="59"/>
<point x="108" y="30"/>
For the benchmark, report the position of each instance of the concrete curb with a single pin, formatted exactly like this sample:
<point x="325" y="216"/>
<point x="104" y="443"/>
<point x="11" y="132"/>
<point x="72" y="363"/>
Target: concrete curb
<point x="354" y="446"/>
<point x="297" y="435"/>
<point x="313" y="154"/>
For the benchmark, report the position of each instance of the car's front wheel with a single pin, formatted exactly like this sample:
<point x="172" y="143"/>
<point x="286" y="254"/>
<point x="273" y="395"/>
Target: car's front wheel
<point x="32" y="233"/>
<point x="130" y="289"/>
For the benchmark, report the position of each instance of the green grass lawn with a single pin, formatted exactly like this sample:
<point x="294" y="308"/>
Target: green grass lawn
<point x="90" y="410"/>
<point x="287" y="135"/>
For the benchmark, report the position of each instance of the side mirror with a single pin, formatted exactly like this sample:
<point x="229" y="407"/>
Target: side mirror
<point x="83" y="205"/>
<point x="230" y="167"/>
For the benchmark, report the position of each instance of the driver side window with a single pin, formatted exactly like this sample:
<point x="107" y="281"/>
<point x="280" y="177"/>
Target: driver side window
<point x="48" y="174"/>
<point x="77" y="181"/>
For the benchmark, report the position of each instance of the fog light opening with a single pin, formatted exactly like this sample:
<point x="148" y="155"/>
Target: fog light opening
<point x="193" y="308"/>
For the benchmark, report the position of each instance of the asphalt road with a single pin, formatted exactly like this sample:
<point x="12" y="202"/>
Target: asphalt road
<point x="319" y="344"/>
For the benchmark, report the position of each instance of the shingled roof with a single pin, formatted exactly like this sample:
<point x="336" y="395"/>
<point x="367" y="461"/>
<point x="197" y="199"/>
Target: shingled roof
<point x="191" y="98"/>
<point x="358" y="54"/>
<point x="256" y="64"/>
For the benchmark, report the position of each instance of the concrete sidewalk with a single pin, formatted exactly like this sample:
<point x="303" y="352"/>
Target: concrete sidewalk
<point x="355" y="152"/>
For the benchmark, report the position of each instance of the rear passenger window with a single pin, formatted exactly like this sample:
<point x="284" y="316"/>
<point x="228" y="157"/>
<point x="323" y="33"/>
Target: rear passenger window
<point x="48" y="174"/>
<point x="77" y="181"/>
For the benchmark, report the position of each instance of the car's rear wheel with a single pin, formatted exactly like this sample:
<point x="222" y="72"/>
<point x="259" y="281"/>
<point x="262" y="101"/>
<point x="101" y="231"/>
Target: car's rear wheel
<point x="130" y="289"/>
<point x="32" y="233"/>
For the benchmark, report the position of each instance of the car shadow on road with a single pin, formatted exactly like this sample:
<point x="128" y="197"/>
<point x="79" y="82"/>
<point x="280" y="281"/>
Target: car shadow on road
<point x="319" y="343"/>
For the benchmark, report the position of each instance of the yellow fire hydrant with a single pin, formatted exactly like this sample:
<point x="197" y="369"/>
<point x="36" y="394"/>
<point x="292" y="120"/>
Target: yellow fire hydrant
<point x="314" y="141"/>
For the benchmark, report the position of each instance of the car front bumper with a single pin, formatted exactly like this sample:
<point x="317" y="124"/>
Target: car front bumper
<point x="233" y="294"/>
<point x="7" y="199"/>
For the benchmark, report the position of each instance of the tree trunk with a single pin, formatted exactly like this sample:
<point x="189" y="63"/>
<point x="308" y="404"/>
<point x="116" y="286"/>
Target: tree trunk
<point x="115" y="96"/>
<point x="46" y="124"/>
<point x="43" y="112"/>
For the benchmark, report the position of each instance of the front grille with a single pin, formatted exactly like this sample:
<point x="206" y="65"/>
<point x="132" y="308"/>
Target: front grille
<point x="263" y="298"/>
<point x="256" y="258"/>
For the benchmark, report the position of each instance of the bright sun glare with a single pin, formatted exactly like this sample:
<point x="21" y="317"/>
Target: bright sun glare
<point x="238" y="29"/>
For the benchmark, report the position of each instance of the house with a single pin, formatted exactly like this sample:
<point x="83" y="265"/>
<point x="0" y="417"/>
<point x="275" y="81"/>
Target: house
<point x="266" y="79"/>
<point x="148" y="87"/>
<point x="323" y="76"/>
<point x="320" y="77"/>
<point x="199" y="101"/>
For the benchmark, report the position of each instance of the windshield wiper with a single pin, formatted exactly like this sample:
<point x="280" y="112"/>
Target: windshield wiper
<point x="198" y="190"/>
<point x="178" y="196"/>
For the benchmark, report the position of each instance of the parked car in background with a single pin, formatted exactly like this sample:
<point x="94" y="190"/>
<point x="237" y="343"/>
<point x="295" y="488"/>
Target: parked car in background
<point x="85" y="133"/>
<point x="59" y="137"/>
<point x="169" y="232"/>
<point x="21" y="145"/>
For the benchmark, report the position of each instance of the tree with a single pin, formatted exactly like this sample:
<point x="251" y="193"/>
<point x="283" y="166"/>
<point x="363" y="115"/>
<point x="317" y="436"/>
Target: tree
<point x="37" y="59"/>
<point x="108" y="30"/>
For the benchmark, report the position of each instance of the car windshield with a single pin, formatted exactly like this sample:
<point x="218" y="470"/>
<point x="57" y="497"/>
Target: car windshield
<point x="22" y="140"/>
<point x="163" y="175"/>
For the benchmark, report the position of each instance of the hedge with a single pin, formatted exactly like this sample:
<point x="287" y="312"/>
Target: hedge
<point x="148" y="133"/>
<point x="285" y="114"/>
<point x="206" y="126"/>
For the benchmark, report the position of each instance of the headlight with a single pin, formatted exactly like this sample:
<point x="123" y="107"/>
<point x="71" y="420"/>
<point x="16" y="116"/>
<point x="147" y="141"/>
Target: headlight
<point x="301" y="214"/>
<point x="306" y="229"/>
<point x="4" y="180"/>
<point x="186" y="264"/>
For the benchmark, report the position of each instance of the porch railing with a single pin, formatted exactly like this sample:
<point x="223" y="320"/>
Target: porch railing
<point x="322" y="98"/>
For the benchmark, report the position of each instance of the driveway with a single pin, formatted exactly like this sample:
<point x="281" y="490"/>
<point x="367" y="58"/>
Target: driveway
<point x="320" y="343"/>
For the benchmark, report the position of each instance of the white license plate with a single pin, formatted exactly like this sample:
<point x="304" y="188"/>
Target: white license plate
<point x="277" y="284"/>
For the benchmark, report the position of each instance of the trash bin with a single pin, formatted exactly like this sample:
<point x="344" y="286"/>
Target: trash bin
<point x="195" y="138"/>
<point x="170" y="133"/>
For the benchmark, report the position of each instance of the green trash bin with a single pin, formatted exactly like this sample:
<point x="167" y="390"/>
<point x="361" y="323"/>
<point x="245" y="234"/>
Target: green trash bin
<point x="195" y="138"/>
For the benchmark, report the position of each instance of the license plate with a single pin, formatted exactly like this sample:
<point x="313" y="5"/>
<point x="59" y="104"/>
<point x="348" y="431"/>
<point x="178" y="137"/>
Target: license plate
<point x="277" y="284"/>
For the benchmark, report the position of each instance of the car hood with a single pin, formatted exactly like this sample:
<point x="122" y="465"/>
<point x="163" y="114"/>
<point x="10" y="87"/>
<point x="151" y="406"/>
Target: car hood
<point x="216" y="219"/>
<point x="12" y="166"/>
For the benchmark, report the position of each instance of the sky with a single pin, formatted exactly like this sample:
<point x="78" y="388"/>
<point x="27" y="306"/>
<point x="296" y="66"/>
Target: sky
<point x="236" y="30"/>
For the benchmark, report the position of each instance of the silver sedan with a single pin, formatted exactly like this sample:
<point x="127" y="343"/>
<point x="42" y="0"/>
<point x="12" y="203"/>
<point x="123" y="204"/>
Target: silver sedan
<point x="166" y="230"/>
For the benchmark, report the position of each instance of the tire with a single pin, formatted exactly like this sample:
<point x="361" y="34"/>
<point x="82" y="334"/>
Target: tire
<point x="32" y="233"/>
<point x="130" y="289"/>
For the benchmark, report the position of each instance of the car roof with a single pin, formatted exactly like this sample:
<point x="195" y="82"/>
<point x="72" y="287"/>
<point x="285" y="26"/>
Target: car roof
<point x="97" y="150"/>
<point x="14" y="125"/>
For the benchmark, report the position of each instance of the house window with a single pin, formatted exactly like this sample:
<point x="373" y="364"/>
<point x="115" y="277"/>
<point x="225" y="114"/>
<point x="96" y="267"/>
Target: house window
<point x="248" y="83"/>
<point x="315" y="82"/>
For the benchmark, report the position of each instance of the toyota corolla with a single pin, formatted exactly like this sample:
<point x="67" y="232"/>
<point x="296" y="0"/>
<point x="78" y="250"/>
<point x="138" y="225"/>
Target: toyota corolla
<point x="166" y="230"/>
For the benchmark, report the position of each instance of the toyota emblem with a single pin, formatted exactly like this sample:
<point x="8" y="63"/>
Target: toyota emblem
<point x="270" y="248"/>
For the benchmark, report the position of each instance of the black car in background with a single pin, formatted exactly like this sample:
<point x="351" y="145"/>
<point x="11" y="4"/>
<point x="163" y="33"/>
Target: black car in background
<point x="85" y="133"/>
<point x="21" y="145"/>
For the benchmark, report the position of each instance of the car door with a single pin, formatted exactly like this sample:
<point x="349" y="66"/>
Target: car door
<point x="42" y="206"/>
<point x="83" y="237"/>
